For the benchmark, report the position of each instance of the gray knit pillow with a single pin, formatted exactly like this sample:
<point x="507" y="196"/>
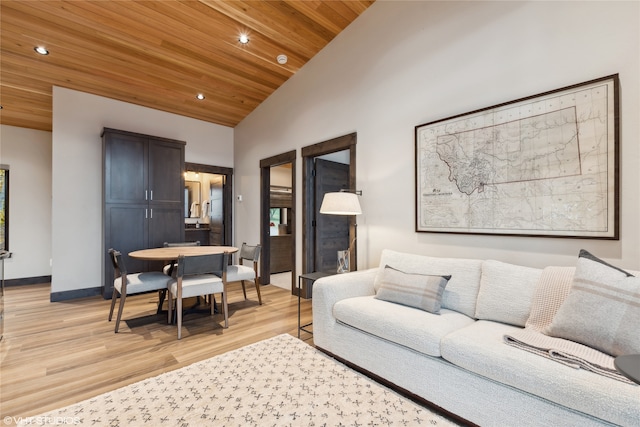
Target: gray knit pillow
<point x="414" y="290"/>
<point x="602" y="309"/>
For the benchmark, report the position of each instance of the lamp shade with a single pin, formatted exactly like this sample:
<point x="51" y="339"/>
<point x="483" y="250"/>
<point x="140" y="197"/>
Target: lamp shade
<point x="340" y="204"/>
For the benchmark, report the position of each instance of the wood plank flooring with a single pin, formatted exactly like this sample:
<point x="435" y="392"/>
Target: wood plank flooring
<point x="56" y="354"/>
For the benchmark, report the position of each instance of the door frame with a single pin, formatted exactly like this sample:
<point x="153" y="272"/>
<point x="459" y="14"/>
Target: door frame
<point x="309" y="153"/>
<point x="265" y="205"/>
<point x="227" y="194"/>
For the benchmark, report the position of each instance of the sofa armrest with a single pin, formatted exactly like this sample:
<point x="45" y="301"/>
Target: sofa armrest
<point x="331" y="289"/>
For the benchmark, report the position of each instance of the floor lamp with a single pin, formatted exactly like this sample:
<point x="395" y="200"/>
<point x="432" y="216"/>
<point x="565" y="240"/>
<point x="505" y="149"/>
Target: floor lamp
<point x="344" y="202"/>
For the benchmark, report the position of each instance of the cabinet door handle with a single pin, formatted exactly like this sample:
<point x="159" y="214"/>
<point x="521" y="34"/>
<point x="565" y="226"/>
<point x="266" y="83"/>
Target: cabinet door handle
<point x="146" y="213"/>
<point x="145" y="195"/>
<point x="152" y="213"/>
<point x="151" y="194"/>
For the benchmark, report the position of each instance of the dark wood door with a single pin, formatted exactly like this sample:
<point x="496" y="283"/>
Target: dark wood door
<point x="216" y="210"/>
<point x="166" y="167"/>
<point x="331" y="231"/>
<point x="125" y="168"/>
<point x="126" y="230"/>
<point x="166" y="224"/>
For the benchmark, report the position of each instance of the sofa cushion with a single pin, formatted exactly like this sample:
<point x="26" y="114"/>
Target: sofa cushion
<point x="602" y="309"/>
<point x="416" y="329"/>
<point x="506" y="292"/>
<point x="462" y="289"/>
<point x="480" y="348"/>
<point x="422" y="291"/>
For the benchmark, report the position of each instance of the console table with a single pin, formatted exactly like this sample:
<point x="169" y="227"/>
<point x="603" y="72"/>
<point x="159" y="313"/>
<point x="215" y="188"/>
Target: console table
<point x="311" y="277"/>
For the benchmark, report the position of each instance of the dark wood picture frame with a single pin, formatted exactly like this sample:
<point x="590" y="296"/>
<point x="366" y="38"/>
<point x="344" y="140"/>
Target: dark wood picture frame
<point x="544" y="165"/>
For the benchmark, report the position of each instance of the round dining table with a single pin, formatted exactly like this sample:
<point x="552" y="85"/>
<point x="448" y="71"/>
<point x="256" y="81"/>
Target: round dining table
<point x="173" y="252"/>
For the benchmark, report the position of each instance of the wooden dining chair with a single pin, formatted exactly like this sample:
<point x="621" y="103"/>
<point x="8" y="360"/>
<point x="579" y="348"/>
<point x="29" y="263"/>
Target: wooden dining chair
<point x="168" y="269"/>
<point x="196" y="276"/>
<point x="127" y="284"/>
<point x="240" y="272"/>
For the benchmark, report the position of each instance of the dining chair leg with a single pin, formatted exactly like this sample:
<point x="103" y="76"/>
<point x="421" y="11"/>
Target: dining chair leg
<point x="213" y="306"/>
<point x="169" y="309"/>
<point x="244" y="290"/>
<point x="162" y="294"/>
<point x="179" y="316"/>
<point x="123" y="296"/>
<point x="257" y="282"/>
<point x="114" y="296"/>
<point x="225" y="309"/>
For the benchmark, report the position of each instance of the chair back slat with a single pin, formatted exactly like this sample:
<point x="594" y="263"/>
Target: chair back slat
<point x="251" y="253"/>
<point x="203" y="264"/>
<point x="179" y="244"/>
<point x="118" y="263"/>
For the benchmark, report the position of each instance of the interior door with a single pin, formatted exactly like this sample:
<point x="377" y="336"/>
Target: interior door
<point x="216" y="210"/>
<point x="331" y="231"/>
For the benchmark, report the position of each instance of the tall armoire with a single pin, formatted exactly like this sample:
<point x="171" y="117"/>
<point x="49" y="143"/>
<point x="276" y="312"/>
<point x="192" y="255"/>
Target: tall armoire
<point x="143" y="195"/>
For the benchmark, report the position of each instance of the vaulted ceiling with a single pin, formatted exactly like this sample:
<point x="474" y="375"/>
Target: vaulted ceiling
<point x="159" y="53"/>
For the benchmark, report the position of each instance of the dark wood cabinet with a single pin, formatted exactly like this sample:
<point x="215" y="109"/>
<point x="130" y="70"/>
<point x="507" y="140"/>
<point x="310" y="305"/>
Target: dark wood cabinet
<point x="197" y="234"/>
<point x="125" y="174"/>
<point x="281" y="247"/>
<point x="143" y="196"/>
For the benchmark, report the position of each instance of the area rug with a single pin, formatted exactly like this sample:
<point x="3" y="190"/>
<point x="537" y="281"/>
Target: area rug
<point x="280" y="381"/>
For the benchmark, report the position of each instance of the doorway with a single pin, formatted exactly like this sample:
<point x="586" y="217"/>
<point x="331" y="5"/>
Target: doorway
<point x="323" y="236"/>
<point x="277" y="216"/>
<point x="208" y="206"/>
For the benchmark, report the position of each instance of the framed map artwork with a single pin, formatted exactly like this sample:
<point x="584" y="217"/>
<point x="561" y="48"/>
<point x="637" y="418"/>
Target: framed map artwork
<point x="545" y="165"/>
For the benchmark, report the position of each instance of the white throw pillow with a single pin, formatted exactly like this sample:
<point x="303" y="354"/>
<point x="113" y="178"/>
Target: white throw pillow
<point x="506" y="292"/>
<point x="602" y="309"/>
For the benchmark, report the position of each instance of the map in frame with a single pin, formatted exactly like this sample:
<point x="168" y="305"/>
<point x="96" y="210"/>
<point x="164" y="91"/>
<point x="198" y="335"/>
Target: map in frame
<point x="545" y="165"/>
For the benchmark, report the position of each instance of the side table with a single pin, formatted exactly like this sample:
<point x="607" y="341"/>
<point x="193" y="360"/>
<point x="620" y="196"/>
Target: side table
<point x="629" y="366"/>
<point x="311" y="277"/>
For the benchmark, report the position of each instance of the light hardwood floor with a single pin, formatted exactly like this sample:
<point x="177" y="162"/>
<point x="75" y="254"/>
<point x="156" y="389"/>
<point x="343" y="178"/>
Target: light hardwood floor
<point x="56" y="354"/>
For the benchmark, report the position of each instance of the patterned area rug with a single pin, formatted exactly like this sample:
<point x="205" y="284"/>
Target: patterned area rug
<point x="276" y="382"/>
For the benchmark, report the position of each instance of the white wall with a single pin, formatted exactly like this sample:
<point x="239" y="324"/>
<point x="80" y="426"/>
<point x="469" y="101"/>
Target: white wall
<point x="28" y="154"/>
<point x="78" y="120"/>
<point x="280" y="176"/>
<point x="403" y="64"/>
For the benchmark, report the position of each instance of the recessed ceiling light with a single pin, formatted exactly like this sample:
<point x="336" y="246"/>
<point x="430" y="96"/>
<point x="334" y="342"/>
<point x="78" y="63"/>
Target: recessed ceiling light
<point x="282" y="59"/>
<point x="244" y="39"/>
<point x="41" y="50"/>
<point x="200" y="96"/>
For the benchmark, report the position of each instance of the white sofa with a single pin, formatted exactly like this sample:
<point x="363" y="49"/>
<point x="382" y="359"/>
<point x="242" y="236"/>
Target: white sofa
<point x="458" y="359"/>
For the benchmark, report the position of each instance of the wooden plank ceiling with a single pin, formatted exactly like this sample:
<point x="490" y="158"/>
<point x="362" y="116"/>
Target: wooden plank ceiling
<point x="159" y="53"/>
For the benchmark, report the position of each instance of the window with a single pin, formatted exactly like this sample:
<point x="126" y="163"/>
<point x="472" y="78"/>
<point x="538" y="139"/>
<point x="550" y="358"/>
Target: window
<point x="274" y="216"/>
<point x="4" y="207"/>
